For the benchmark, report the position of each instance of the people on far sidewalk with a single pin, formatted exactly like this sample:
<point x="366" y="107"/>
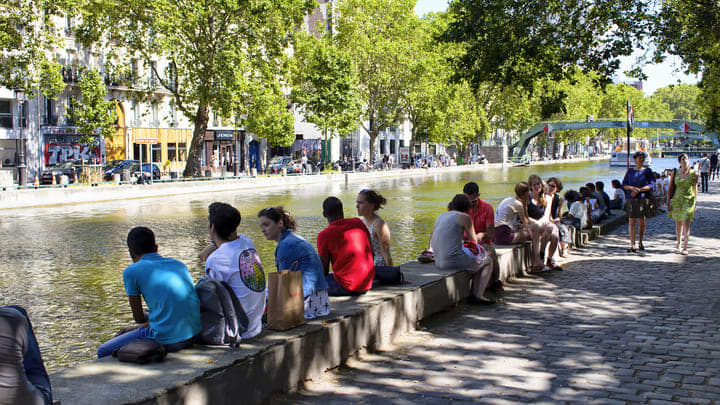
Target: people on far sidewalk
<point x="638" y="184"/>
<point x="714" y="166"/>
<point x="682" y="202"/>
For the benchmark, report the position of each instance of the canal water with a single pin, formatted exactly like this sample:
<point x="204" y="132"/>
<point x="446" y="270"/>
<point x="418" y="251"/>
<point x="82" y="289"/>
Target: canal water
<point x="64" y="264"/>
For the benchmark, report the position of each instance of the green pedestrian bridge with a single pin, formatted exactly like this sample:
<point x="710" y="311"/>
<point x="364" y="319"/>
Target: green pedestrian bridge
<point x="687" y="129"/>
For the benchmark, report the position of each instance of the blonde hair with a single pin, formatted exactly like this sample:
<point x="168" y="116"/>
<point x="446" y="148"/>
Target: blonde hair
<point x="533" y="178"/>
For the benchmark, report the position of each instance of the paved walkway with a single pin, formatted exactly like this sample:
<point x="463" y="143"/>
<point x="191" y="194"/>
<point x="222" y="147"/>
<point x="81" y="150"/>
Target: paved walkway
<point x="611" y="328"/>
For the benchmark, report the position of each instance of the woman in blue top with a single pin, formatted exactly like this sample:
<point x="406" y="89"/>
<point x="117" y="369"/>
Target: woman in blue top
<point x="638" y="184"/>
<point x="295" y="253"/>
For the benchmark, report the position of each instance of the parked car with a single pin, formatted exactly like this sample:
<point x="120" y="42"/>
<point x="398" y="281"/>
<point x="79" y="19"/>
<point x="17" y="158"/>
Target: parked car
<point x="69" y="168"/>
<point x="278" y="162"/>
<point x="116" y="166"/>
<point x="134" y="168"/>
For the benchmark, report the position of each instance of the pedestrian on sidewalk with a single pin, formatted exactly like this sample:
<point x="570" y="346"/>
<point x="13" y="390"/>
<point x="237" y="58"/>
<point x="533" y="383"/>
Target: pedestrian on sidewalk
<point x="638" y="184"/>
<point x="713" y="166"/>
<point x="705" y="173"/>
<point x="682" y="198"/>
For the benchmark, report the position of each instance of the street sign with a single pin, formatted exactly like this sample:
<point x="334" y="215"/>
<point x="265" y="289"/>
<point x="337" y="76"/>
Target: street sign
<point x="404" y="153"/>
<point x="146" y="140"/>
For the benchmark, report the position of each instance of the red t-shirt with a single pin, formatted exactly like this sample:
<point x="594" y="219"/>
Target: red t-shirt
<point x="347" y="243"/>
<point x="482" y="217"/>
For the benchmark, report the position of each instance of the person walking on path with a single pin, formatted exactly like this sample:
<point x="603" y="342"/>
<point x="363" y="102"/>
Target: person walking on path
<point x="638" y="183"/>
<point x="683" y="198"/>
<point x="713" y="166"/>
<point x="705" y="173"/>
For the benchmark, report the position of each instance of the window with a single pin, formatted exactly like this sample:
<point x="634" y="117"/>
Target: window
<point x="402" y="143"/>
<point x="6" y="119"/>
<point x="156" y="152"/>
<point x="382" y="146"/>
<point x="156" y="122"/>
<point x="23" y="115"/>
<point x="152" y="80"/>
<point x="298" y="136"/>
<point x="172" y="115"/>
<point x="49" y="117"/>
<point x="172" y="152"/>
<point x="392" y="146"/>
<point x="139" y="152"/>
<point x="182" y="151"/>
<point x="69" y="112"/>
<point x="135" y="107"/>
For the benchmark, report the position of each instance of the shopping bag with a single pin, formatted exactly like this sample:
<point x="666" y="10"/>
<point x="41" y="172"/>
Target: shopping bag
<point x="286" y="306"/>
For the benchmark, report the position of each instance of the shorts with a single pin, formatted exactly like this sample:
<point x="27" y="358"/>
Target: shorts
<point x="637" y="208"/>
<point x="504" y="235"/>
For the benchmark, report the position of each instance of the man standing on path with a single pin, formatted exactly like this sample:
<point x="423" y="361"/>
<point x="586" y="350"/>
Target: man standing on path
<point x="483" y="219"/>
<point x="704" y="173"/>
<point x="714" y="166"/>
<point x="346" y="244"/>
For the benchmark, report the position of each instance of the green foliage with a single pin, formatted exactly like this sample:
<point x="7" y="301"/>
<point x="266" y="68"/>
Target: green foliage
<point x="462" y="120"/>
<point x="519" y="42"/>
<point x="93" y="115"/>
<point x="682" y="100"/>
<point x="216" y="50"/>
<point x="27" y="39"/>
<point x="377" y="34"/>
<point x="325" y="85"/>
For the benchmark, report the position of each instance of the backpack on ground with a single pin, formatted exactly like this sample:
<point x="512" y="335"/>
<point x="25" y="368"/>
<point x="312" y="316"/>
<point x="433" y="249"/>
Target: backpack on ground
<point x="223" y="318"/>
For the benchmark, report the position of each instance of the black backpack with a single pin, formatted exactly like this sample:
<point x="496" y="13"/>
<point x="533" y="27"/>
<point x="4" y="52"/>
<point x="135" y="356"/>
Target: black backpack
<point x="223" y="318"/>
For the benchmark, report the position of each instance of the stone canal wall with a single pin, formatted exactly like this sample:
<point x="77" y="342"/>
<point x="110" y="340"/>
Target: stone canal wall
<point x="82" y="194"/>
<point x="279" y="361"/>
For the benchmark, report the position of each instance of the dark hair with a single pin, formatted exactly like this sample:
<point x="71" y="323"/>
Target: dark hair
<point x="276" y="214"/>
<point x="681" y="155"/>
<point x="332" y="207"/>
<point x="471" y="188"/>
<point x="459" y="203"/>
<point x="141" y="240"/>
<point x="571" y="196"/>
<point x="224" y="217"/>
<point x="638" y="154"/>
<point x="373" y="198"/>
<point x="590" y="186"/>
<point x="558" y="183"/>
<point x="600" y="185"/>
<point x="656" y="174"/>
<point x="584" y="191"/>
<point x="521" y="189"/>
<point x="616" y="183"/>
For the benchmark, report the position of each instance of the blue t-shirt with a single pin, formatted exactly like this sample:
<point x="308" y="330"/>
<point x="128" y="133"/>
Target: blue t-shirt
<point x="169" y="293"/>
<point x="293" y="252"/>
<point x="638" y="178"/>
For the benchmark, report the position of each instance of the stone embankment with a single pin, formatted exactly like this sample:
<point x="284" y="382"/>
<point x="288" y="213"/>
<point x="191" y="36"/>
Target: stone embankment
<point x="277" y="362"/>
<point x="83" y="194"/>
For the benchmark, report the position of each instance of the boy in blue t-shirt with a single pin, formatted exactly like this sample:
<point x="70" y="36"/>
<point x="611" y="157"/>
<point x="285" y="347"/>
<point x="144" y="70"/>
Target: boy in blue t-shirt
<point x="169" y="292"/>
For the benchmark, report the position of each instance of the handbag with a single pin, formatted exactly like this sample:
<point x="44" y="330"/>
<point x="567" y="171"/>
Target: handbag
<point x="286" y="304"/>
<point x="141" y="351"/>
<point x="652" y="205"/>
<point x="388" y="275"/>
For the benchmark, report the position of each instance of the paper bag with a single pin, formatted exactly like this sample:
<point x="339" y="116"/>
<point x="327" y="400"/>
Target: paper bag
<point x="286" y="305"/>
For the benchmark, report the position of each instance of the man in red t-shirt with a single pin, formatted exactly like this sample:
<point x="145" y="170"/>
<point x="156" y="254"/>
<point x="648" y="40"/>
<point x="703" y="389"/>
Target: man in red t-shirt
<point x="346" y="244"/>
<point x="484" y="223"/>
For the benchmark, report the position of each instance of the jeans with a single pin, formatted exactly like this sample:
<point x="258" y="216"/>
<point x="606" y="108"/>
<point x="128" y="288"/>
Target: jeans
<point x="107" y="348"/>
<point x="704" y="181"/>
<point x="336" y="290"/>
<point x="33" y="363"/>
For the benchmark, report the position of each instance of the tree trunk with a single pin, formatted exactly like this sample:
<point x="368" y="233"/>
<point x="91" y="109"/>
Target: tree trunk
<point x="373" y="136"/>
<point x="413" y="135"/>
<point x="192" y="168"/>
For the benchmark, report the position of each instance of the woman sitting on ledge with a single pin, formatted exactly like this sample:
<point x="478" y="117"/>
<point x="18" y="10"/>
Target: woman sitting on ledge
<point x="447" y="244"/>
<point x="294" y="253"/>
<point x="512" y="224"/>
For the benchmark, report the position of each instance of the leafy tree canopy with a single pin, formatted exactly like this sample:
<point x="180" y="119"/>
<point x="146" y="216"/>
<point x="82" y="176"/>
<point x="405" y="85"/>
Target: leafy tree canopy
<point x="94" y="115"/>
<point x="682" y="100"/>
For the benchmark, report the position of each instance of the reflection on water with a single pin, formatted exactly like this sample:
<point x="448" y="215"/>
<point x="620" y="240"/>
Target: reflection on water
<point x="64" y="264"/>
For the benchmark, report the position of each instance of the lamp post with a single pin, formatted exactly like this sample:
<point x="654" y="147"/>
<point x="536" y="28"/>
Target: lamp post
<point x="21" y="167"/>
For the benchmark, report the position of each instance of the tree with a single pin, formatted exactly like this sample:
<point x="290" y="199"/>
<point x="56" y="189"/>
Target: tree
<point x="691" y="30"/>
<point x="518" y="42"/>
<point x="325" y="85"/>
<point x="375" y="34"/>
<point x="461" y="120"/>
<point x="682" y="100"/>
<point x="27" y="39"/>
<point x="225" y="57"/>
<point x="92" y="114"/>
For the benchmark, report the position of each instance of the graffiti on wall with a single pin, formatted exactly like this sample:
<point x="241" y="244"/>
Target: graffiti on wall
<point x="60" y="152"/>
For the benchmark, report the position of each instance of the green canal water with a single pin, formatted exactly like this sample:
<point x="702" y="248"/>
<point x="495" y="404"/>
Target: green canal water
<point x="64" y="264"/>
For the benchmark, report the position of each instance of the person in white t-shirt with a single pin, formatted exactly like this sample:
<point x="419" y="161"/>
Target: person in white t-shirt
<point x="579" y="208"/>
<point x="618" y="200"/>
<point x="236" y="262"/>
<point x="512" y="224"/>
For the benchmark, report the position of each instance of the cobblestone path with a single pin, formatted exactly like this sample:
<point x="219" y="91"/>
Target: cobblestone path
<point x="612" y="328"/>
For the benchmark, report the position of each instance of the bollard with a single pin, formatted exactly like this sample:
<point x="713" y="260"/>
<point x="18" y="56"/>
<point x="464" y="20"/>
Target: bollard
<point x="116" y="178"/>
<point x="253" y="172"/>
<point x="64" y="179"/>
<point x="283" y="171"/>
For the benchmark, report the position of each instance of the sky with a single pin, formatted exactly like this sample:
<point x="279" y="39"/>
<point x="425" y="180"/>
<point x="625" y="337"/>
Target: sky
<point x="659" y="75"/>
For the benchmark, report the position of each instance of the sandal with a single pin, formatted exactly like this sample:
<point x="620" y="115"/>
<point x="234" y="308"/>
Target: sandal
<point x="641" y="247"/>
<point x="553" y="266"/>
<point x="631" y="250"/>
<point x="684" y="252"/>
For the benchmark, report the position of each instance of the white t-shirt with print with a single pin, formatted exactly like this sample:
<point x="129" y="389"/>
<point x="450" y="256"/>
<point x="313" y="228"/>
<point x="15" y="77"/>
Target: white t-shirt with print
<point x="578" y="209"/>
<point x="237" y="263"/>
<point x="509" y="212"/>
